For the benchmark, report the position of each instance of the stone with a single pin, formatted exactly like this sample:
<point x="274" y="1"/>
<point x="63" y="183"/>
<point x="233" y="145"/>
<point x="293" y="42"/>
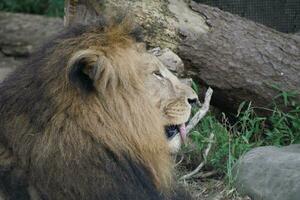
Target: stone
<point x="269" y="173"/>
<point x="20" y="35"/>
<point x="8" y="65"/>
<point x="169" y="59"/>
<point x="4" y="72"/>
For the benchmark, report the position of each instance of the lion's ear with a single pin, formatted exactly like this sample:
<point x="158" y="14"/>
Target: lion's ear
<point x="85" y="68"/>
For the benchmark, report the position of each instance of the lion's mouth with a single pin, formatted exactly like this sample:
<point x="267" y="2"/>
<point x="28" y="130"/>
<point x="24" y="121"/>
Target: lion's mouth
<point x="173" y="130"/>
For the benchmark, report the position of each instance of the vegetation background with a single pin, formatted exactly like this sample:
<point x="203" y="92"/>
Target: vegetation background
<point x="235" y="134"/>
<point x="43" y="7"/>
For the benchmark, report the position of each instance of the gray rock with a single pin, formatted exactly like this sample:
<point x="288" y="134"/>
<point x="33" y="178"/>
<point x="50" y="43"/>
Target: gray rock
<point x="2" y="196"/>
<point x="20" y="34"/>
<point x="270" y="173"/>
<point x="8" y="65"/>
<point x="4" y="72"/>
<point x="169" y="59"/>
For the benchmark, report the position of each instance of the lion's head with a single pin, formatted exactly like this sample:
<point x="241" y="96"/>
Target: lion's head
<point x="171" y="96"/>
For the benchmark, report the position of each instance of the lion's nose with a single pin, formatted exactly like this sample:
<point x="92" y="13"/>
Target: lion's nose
<point x="193" y="101"/>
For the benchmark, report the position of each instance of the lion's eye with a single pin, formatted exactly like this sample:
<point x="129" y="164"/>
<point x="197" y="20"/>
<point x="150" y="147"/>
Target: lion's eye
<point x="158" y="75"/>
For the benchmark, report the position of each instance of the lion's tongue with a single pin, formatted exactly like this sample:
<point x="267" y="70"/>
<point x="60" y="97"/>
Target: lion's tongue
<point x="182" y="132"/>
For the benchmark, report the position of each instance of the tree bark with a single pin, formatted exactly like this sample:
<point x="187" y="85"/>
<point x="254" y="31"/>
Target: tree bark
<point x="242" y="60"/>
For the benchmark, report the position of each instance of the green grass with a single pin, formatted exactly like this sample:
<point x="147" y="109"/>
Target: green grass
<point x="232" y="140"/>
<point x="42" y="7"/>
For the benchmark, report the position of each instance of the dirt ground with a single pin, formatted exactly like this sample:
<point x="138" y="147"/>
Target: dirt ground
<point x="211" y="189"/>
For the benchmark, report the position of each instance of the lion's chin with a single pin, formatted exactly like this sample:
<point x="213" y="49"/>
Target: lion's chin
<point x="175" y="144"/>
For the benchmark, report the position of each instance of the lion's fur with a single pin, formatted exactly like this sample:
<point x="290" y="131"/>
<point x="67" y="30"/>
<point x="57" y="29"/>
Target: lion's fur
<point x="102" y="140"/>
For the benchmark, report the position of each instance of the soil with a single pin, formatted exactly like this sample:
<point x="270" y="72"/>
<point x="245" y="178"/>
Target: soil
<point x="212" y="189"/>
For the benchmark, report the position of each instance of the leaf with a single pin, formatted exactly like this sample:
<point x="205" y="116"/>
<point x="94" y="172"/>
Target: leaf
<point x="240" y="108"/>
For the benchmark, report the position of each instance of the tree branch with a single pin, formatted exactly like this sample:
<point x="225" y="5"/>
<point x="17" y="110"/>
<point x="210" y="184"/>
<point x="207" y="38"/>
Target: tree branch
<point x="201" y="165"/>
<point x="202" y="111"/>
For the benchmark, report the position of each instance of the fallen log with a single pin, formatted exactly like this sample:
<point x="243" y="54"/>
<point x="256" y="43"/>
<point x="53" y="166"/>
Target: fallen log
<point x="242" y="60"/>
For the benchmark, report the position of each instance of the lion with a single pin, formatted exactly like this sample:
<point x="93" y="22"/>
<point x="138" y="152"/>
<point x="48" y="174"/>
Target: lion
<point x="86" y="119"/>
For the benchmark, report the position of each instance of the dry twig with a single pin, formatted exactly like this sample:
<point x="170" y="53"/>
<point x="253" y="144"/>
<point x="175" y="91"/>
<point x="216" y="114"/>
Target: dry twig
<point x="180" y="161"/>
<point x="202" y="111"/>
<point x="193" y="122"/>
<point x="205" y="175"/>
<point x="205" y="154"/>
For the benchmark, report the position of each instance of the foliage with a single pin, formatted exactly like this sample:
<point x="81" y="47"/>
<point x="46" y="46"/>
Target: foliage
<point x="44" y="7"/>
<point x="249" y="130"/>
